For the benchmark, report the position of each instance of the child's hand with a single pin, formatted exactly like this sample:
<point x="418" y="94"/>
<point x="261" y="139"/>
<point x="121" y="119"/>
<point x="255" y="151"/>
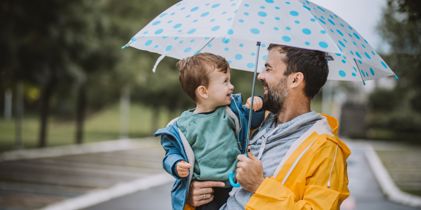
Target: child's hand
<point x="182" y="168"/>
<point x="257" y="103"/>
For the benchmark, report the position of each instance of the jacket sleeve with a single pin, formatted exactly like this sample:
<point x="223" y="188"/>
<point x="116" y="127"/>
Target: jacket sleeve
<point x="316" y="194"/>
<point x="172" y="155"/>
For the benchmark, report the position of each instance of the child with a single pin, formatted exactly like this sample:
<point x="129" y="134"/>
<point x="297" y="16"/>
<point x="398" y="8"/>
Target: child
<point x="203" y="143"/>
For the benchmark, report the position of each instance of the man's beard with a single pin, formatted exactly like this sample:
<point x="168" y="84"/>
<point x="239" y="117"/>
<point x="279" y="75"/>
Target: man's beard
<point x="275" y="97"/>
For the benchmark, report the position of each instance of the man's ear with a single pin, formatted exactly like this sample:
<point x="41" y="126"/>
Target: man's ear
<point x="202" y="92"/>
<point x="296" y="79"/>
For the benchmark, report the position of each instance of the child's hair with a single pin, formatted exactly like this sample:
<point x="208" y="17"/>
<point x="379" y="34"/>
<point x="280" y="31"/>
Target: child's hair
<point x="194" y="71"/>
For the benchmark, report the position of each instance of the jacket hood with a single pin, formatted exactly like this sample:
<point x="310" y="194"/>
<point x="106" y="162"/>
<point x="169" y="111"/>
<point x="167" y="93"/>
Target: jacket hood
<point x="334" y="125"/>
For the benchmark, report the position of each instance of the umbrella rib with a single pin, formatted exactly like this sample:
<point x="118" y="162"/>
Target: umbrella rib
<point x="205" y="45"/>
<point x="359" y="71"/>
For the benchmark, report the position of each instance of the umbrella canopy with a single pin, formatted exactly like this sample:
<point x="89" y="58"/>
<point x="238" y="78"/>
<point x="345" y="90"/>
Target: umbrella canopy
<point x="231" y="28"/>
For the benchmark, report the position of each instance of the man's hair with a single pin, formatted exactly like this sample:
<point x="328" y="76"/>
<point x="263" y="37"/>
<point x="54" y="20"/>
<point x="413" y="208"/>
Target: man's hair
<point x="194" y="71"/>
<point x="312" y="63"/>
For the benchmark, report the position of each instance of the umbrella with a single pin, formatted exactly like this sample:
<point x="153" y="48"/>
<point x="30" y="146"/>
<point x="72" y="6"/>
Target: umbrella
<point x="231" y="28"/>
<point x="237" y="29"/>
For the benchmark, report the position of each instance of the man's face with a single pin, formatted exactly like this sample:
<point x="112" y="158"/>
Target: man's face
<point x="274" y="81"/>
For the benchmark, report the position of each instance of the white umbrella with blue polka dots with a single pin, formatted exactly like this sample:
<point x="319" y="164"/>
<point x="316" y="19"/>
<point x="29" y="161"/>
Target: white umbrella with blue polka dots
<point x="231" y="28"/>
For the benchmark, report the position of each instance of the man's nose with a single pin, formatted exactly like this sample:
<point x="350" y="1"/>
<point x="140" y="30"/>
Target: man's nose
<point x="260" y="76"/>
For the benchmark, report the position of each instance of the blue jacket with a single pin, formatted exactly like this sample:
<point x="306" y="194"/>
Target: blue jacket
<point x="177" y="148"/>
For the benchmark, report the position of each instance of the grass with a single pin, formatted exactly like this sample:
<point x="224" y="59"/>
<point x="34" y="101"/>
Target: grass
<point x="103" y="125"/>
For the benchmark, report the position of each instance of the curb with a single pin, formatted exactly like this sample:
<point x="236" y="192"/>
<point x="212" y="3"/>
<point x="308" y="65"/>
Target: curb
<point x="386" y="183"/>
<point x="57" y="151"/>
<point x="118" y="190"/>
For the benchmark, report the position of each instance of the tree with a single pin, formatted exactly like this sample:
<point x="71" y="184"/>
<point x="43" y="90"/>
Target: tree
<point x="399" y="110"/>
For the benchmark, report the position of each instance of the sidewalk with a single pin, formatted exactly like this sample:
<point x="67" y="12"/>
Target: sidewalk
<point x="74" y="177"/>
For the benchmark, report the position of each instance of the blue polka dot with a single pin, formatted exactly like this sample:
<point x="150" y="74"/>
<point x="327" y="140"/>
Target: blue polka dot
<point x="215" y="5"/>
<point x="354" y="74"/>
<point x="156" y="46"/>
<point x="226" y="40"/>
<point x="307" y="8"/>
<point x="342" y="73"/>
<point x="372" y="71"/>
<point x="230" y="32"/>
<point x="339" y="32"/>
<point x="367" y="55"/>
<point x="384" y="64"/>
<point x="187" y="50"/>
<point x="358" y="54"/>
<point x="250" y="65"/>
<point x="178" y="25"/>
<point x="294" y="13"/>
<point x="156" y="23"/>
<point x="286" y="38"/>
<point x="277" y="18"/>
<point x="204" y="14"/>
<point x="276" y="28"/>
<point x="331" y="21"/>
<point x="262" y="14"/>
<point x="306" y="31"/>
<point x="323" y="44"/>
<point x="255" y="31"/>
<point x="168" y="48"/>
<point x="307" y="43"/>
<point x="241" y="45"/>
<point x="356" y="36"/>
<point x="322" y="31"/>
<point x="215" y="28"/>
<point x="288" y="28"/>
<point x="341" y="43"/>
<point x="269" y="1"/>
<point x="194" y="9"/>
<point x="159" y="31"/>
<point x="149" y="42"/>
<point x="246" y="14"/>
<point x="191" y="31"/>
<point x="241" y="20"/>
<point x="262" y="22"/>
<point x="297" y="22"/>
<point x="343" y="61"/>
<point x="238" y="57"/>
<point x="226" y="49"/>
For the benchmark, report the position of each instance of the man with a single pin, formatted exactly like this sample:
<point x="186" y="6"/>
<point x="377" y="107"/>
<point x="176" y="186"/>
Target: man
<point x="296" y="159"/>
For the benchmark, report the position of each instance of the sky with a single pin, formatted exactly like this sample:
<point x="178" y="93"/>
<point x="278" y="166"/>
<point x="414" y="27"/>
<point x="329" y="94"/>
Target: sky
<point x="363" y="15"/>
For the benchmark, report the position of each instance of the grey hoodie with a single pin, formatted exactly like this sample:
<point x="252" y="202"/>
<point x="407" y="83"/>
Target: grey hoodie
<point x="273" y="141"/>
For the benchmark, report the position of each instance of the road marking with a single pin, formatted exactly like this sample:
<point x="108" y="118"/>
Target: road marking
<point x="99" y="196"/>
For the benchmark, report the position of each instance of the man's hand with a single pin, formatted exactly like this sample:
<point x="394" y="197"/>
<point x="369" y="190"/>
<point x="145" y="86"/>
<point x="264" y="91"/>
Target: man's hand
<point x="201" y="192"/>
<point x="182" y="168"/>
<point x="249" y="172"/>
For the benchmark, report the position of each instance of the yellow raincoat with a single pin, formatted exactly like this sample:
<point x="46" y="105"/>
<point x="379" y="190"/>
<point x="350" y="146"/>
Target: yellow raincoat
<point x="313" y="174"/>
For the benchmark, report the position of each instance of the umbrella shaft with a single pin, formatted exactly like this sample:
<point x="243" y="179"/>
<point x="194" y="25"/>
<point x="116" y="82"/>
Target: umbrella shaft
<point x="252" y="97"/>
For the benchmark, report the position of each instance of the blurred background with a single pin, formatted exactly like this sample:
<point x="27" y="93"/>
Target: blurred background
<point x="65" y="80"/>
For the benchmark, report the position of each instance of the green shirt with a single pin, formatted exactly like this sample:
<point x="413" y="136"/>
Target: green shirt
<point x="213" y="140"/>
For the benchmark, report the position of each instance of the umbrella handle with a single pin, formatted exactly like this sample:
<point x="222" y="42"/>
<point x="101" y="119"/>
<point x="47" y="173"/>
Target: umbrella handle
<point x="231" y="179"/>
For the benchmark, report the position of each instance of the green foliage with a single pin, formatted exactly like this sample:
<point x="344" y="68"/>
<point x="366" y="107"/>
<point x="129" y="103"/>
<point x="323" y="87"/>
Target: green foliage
<point x="399" y="110"/>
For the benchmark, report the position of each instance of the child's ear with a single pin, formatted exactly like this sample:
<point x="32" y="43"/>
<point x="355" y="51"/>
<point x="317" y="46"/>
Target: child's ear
<point x="202" y="92"/>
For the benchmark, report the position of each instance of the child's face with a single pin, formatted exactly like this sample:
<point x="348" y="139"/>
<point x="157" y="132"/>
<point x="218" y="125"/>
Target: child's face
<point x="220" y="88"/>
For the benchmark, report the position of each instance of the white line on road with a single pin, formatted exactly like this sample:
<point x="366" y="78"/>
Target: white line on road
<point x="386" y="183"/>
<point x="99" y="196"/>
